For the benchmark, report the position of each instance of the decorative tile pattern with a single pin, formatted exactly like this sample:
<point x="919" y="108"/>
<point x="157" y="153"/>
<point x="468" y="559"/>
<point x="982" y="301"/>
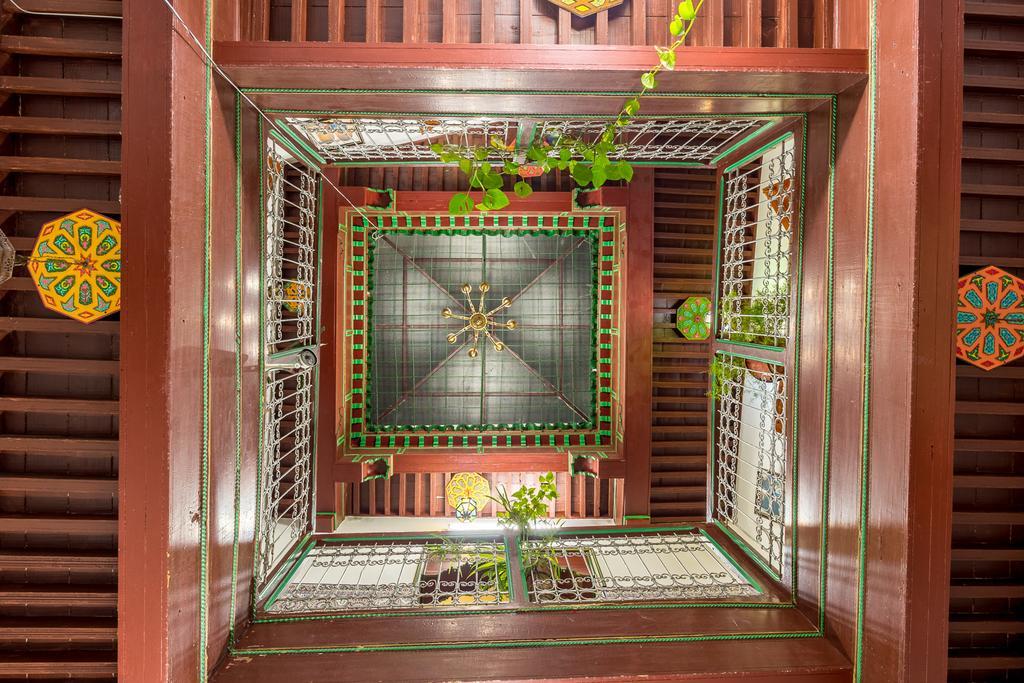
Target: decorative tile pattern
<point x="584" y="8"/>
<point x="693" y="318"/>
<point x="76" y="265"/>
<point x="990" y="318"/>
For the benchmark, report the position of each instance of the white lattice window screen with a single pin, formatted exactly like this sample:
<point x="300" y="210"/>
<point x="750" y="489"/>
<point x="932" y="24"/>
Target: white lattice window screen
<point x="750" y="372"/>
<point x="289" y="387"/>
<point x="356" y="139"/>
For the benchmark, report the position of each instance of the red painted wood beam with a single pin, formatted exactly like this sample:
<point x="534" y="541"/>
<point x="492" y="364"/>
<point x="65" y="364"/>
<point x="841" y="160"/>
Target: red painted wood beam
<point x="524" y="66"/>
<point x="638" y="333"/>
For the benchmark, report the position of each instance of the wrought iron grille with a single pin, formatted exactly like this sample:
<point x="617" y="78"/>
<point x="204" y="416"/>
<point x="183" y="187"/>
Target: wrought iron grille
<point x="404" y="574"/>
<point x="350" y="139"/>
<point x="289" y="252"/>
<point x="756" y="243"/>
<point x="630" y="567"/>
<point x="694" y="140"/>
<point x="289" y="379"/>
<point x="751" y="449"/>
<point x="357" y="139"/>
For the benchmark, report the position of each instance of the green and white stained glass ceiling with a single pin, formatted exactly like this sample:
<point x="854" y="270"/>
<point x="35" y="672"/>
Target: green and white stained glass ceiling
<point x="543" y="376"/>
<point x="363" y="140"/>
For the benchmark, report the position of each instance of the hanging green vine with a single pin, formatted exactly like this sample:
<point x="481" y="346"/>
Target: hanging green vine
<point x="590" y="163"/>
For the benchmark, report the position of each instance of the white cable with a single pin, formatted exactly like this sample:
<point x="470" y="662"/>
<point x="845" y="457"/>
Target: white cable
<point x="62" y="14"/>
<point x="209" y="60"/>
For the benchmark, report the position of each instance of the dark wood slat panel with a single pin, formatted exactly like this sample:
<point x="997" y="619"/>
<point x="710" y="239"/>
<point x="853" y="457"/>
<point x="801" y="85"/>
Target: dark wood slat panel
<point x="988" y="481"/>
<point x="58" y="204"/>
<point x="56" y="444"/>
<point x="81" y="562"/>
<point x="59" y="166"/>
<point x="71" y="366"/>
<point x="98" y="8"/>
<point x="60" y="47"/>
<point x="59" y="631"/>
<point x="993" y="10"/>
<point x="987" y="118"/>
<point x="65" y="87"/>
<point x="992" y="190"/>
<point x="29" y="404"/>
<point x="35" y="595"/>
<point x="42" y="125"/>
<point x="57" y="325"/>
<point x="978" y="225"/>
<point x="62" y="524"/>
<point x="56" y="484"/>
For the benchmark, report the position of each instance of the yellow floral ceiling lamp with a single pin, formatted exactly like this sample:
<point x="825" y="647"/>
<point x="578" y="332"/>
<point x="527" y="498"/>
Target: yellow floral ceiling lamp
<point x="480" y="321"/>
<point x="584" y="8"/>
<point x="76" y="265"/>
<point x="467" y="493"/>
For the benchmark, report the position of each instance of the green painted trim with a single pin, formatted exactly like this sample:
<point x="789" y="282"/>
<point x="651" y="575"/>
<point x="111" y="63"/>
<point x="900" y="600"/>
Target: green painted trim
<point x="232" y="607"/>
<point x="636" y="517"/>
<point x="441" y="612"/>
<point x="826" y="456"/>
<point x="262" y="232"/>
<point x="291" y="572"/>
<point x="751" y="345"/>
<point x="204" y="468"/>
<point x="289" y="563"/>
<point x="794" y="439"/>
<point x="758" y="152"/>
<point x="286" y="142"/>
<point x="528" y="643"/>
<point x="869" y="282"/>
<point x="371" y="164"/>
<point x="534" y="115"/>
<point x="757" y="133"/>
<point x="296" y="139"/>
<point x="749" y="551"/>
<point x="595" y="234"/>
<point x="725" y="553"/>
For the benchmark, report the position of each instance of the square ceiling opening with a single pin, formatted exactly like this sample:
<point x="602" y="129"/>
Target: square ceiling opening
<point x="482" y="329"/>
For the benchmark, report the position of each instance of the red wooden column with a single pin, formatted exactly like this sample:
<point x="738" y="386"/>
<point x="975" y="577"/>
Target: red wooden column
<point x="159" y="566"/>
<point x="638" y="335"/>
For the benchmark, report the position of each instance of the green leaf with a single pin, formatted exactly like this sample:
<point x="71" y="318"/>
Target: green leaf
<point x="648" y="81"/>
<point x="676" y="27"/>
<point x="495" y="199"/>
<point x="460" y="203"/>
<point x="626" y="171"/>
<point x="535" y="153"/>
<point x="437" y="148"/>
<point x="582" y="175"/>
<point x="667" y="57"/>
<point x="480" y="153"/>
<point x="632" y="106"/>
<point x="686" y="10"/>
<point x="564" y="154"/>
<point x="613" y="172"/>
<point x="466" y="166"/>
<point x="522" y="189"/>
<point x="598" y="177"/>
<point x="511" y="167"/>
<point x="492" y="181"/>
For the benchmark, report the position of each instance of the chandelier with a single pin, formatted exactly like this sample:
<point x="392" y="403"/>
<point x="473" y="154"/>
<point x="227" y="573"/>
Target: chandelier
<point x="479" y="322"/>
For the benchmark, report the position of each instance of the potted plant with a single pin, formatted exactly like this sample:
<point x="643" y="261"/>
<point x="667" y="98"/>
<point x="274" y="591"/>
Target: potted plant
<point x="723" y="371"/>
<point x="754" y="321"/>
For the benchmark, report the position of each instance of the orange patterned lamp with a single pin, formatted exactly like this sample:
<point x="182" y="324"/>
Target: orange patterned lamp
<point x="76" y="265"/>
<point x="584" y="8"/>
<point x="990" y="318"/>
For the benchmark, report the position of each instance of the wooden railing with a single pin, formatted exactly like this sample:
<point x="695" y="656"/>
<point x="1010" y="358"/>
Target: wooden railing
<point x="728" y="23"/>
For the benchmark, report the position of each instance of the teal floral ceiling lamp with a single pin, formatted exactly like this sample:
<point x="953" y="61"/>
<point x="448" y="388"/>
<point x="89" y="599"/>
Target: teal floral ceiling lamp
<point x="990" y="318"/>
<point x="693" y="318"/>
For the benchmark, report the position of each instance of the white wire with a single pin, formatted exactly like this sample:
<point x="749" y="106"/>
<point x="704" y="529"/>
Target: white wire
<point x="62" y="14"/>
<point x="209" y="60"/>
